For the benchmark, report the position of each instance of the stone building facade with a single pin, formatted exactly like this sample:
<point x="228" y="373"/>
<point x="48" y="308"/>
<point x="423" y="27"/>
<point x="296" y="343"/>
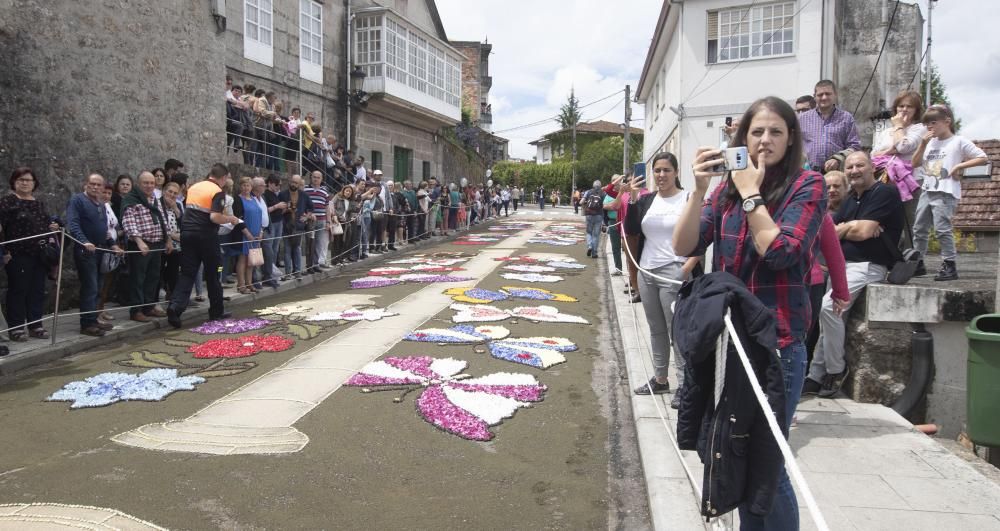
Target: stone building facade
<point x="476" y="82"/>
<point x="110" y="87"/>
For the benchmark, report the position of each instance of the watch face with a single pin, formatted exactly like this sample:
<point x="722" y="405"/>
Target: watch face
<point x="748" y="205"/>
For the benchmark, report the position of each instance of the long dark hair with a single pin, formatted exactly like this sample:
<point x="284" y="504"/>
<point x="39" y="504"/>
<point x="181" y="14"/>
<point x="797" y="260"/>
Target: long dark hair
<point x="780" y="176"/>
<point x="672" y="159"/>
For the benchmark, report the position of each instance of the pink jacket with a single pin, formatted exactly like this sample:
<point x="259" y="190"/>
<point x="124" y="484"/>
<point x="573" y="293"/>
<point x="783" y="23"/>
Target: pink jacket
<point x="829" y="244"/>
<point x="901" y="173"/>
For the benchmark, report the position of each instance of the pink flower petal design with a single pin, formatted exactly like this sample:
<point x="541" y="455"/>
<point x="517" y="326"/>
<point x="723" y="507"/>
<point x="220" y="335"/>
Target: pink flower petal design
<point x="524" y="393"/>
<point x="439" y="411"/>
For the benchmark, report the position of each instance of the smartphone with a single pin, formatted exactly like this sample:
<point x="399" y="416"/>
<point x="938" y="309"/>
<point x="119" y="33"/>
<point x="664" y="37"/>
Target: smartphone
<point x="734" y="159"/>
<point x="729" y="121"/>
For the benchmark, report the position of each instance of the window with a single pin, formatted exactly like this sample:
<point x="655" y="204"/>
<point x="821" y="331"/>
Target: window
<point x="258" y="31"/>
<point x="368" y="45"/>
<point x="376" y="160"/>
<point x="402" y="164"/>
<point x="311" y="40"/>
<point x="426" y="170"/>
<point x="748" y="33"/>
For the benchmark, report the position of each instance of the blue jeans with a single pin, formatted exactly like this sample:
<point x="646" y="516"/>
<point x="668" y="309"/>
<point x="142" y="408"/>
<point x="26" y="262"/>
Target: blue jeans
<point x="277" y="231"/>
<point x="594" y="223"/>
<point x="293" y="254"/>
<point x="86" y="271"/>
<point x="784" y="515"/>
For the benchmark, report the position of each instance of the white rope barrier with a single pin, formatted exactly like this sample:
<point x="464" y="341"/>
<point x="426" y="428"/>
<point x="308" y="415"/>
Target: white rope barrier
<point x="786" y="451"/>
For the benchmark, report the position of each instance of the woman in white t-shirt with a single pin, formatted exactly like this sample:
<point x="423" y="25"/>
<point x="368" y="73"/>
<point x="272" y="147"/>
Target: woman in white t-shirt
<point x="941" y="159"/>
<point x="652" y="218"/>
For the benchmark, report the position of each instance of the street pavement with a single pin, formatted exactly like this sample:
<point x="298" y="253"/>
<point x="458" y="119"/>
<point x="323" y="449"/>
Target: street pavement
<point x="314" y="424"/>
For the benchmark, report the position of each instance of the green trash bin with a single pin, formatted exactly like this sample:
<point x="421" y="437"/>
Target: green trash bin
<point x="983" y="387"/>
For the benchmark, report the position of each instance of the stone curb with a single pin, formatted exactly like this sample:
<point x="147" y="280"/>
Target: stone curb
<point x="13" y="363"/>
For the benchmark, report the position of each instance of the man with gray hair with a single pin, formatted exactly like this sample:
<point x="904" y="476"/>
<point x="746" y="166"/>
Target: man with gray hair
<point x="593" y="209"/>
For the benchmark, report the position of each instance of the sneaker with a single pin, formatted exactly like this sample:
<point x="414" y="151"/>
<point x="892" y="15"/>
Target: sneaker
<point x="675" y="402"/>
<point x="652" y="387"/>
<point x="588" y="251"/>
<point x="104" y="326"/>
<point x="810" y="387"/>
<point x="92" y="331"/>
<point x="920" y="270"/>
<point x="833" y="382"/>
<point x="947" y="272"/>
<point x="616" y="273"/>
<point x="156" y="313"/>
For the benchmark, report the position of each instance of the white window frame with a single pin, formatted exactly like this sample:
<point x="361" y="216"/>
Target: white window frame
<point x="746" y="33"/>
<point x="258" y="31"/>
<point x="311" y="40"/>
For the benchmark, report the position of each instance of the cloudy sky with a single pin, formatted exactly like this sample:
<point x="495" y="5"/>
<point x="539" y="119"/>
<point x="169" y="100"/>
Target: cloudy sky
<point x="543" y="48"/>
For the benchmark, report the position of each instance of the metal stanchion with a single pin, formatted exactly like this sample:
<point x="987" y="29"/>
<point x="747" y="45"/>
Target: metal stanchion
<point x="55" y="314"/>
<point x="299" y="131"/>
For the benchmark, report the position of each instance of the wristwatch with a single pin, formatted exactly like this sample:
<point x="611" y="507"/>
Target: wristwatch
<point x="752" y="202"/>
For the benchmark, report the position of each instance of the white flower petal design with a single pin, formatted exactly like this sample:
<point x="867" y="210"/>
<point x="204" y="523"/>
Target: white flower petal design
<point x="447" y="366"/>
<point x="490" y="408"/>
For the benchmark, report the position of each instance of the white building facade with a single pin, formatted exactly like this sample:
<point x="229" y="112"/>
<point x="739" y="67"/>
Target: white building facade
<point x="710" y="59"/>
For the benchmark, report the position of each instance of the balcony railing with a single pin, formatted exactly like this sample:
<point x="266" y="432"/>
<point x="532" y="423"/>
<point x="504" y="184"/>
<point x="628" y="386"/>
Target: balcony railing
<point x="486" y="82"/>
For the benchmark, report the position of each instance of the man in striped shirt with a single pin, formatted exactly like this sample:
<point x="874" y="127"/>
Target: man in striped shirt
<point x="827" y="130"/>
<point x="319" y="198"/>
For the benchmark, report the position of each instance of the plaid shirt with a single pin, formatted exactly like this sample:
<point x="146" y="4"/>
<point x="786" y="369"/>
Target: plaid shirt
<point x="137" y="220"/>
<point x="825" y="137"/>
<point x="780" y="279"/>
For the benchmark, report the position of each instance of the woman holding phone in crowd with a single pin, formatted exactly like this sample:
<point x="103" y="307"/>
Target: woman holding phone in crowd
<point x="652" y="218"/>
<point x="763" y="221"/>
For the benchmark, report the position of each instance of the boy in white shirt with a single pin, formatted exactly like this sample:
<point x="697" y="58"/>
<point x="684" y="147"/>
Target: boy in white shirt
<point x="941" y="159"/>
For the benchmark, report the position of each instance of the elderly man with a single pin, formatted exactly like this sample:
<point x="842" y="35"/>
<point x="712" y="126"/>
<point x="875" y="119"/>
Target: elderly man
<point x="829" y="133"/>
<point x="318" y="198"/>
<point x="203" y="213"/>
<point x="257" y="192"/>
<point x="412" y="209"/>
<point x="870" y="209"/>
<point x="87" y="224"/>
<point x="143" y="221"/>
<point x="593" y="209"/>
<point x="379" y="225"/>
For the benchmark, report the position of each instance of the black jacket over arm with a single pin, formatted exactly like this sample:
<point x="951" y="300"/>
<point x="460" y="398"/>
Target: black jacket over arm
<point x="742" y="459"/>
<point x="633" y="221"/>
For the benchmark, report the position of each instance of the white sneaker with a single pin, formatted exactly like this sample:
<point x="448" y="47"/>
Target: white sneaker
<point x="616" y="273"/>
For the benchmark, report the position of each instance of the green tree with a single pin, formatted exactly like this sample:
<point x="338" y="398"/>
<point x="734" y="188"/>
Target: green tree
<point x="939" y="92"/>
<point x="603" y="158"/>
<point x="569" y="113"/>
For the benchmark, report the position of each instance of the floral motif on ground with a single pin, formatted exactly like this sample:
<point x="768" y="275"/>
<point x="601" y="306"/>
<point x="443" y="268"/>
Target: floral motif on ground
<point x="240" y="347"/>
<point x="429" y="261"/>
<point x="232" y="326"/>
<point x="283" y="311"/>
<point x="565" y="265"/>
<point x="373" y="282"/>
<point x="517" y="259"/>
<point x="381" y="271"/>
<point x="352" y="314"/>
<point x="531" y="277"/>
<point x="550" y="241"/>
<point x="468" y="313"/>
<point x="454" y="403"/>
<point x="458" y="334"/>
<point x="425" y="277"/>
<point x="475" y="295"/>
<point x="537" y="294"/>
<point x="529" y="268"/>
<point x="540" y="352"/>
<point x="110" y="387"/>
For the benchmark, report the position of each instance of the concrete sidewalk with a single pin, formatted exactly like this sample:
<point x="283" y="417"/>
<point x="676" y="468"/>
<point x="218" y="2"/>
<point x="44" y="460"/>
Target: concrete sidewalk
<point x="866" y="465"/>
<point x="69" y="341"/>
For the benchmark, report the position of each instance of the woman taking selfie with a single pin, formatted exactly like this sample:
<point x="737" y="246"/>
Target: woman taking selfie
<point x="652" y="218"/>
<point x="763" y="221"/>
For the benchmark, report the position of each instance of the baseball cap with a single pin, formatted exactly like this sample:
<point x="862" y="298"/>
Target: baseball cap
<point x="377" y="172"/>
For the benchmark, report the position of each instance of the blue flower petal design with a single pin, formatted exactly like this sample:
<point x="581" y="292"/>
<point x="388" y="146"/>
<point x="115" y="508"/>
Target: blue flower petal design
<point x="107" y="388"/>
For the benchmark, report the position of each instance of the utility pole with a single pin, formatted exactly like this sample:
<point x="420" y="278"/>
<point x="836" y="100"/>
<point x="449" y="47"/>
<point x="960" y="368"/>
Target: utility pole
<point x="930" y="11"/>
<point x="574" y="153"/>
<point x="628" y="120"/>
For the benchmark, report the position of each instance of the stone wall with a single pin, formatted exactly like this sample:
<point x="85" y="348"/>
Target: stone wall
<point x="377" y="132"/>
<point x="111" y="86"/>
<point x="459" y="163"/>
<point x="471" y="87"/>
<point x="860" y="37"/>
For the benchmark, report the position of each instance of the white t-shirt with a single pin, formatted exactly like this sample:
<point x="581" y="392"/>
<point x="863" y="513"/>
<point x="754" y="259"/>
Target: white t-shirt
<point x="906" y="147"/>
<point x="658" y="228"/>
<point x="940" y="157"/>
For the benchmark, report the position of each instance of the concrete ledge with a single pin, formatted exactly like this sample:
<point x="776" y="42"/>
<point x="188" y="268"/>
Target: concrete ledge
<point x="69" y="341"/>
<point x="923" y="300"/>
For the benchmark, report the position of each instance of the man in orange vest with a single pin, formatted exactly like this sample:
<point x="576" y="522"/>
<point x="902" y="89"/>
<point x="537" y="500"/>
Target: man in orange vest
<point x="200" y="240"/>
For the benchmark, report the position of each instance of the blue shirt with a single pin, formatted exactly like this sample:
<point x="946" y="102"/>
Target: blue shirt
<point x="86" y="220"/>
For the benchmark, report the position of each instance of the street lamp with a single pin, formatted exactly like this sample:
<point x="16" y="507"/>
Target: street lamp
<point x="359" y="96"/>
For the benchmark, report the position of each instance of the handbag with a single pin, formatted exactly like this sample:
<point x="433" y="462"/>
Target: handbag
<point x="255" y="257"/>
<point x="50" y="251"/>
<point x="109" y="262"/>
<point x="336" y="228"/>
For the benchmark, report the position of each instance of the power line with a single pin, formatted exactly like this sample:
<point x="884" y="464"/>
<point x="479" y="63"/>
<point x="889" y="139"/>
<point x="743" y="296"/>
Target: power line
<point x="877" y="59"/>
<point x="556" y="117"/>
<point x="741" y="61"/>
<point x="917" y="69"/>
<point x="619" y="102"/>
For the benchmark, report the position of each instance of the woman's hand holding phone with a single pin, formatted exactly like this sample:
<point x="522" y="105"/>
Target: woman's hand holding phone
<point x="705" y="161"/>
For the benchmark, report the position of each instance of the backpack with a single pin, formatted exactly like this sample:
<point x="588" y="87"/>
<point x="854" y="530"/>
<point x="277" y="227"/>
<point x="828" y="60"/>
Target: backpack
<point x="593" y="203"/>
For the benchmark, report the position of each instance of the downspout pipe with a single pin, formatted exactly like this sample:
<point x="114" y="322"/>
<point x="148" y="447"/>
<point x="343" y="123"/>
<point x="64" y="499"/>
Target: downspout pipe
<point x="921" y="372"/>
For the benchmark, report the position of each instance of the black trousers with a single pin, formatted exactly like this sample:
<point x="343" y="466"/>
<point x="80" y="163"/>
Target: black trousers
<point x="199" y="249"/>
<point x="391" y="228"/>
<point x="379" y="229"/>
<point x="144" y="277"/>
